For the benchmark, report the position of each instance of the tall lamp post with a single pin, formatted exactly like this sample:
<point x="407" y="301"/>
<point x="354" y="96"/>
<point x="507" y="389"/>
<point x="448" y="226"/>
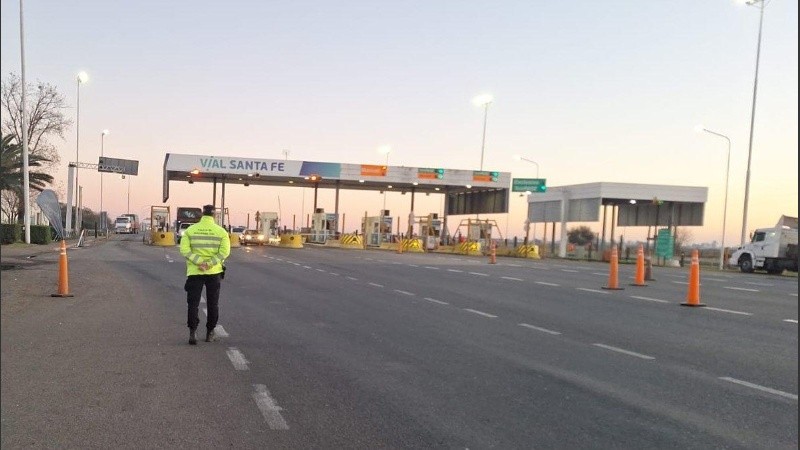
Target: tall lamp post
<point x="761" y="4"/>
<point x="483" y="100"/>
<point x="385" y="149"/>
<point x="700" y="128"/>
<point x="81" y="78"/>
<point x="26" y="183"/>
<point x="522" y="158"/>
<point x="102" y="216"/>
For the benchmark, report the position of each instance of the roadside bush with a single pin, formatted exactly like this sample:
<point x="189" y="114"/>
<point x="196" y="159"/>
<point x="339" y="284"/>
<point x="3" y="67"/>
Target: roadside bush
<point x="9" y="232"/>
<point x="40" y="234"/>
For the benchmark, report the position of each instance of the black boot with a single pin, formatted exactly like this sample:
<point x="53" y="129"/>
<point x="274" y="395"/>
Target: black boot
<point x="192" y="336"/>
<point x="210" y="336"/>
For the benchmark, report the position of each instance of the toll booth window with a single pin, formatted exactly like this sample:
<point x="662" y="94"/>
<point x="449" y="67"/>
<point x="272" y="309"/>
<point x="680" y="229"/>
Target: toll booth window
<point x="759" y="237"/>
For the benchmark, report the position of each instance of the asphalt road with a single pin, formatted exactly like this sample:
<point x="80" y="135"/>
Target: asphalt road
<point x="333" y="348"/>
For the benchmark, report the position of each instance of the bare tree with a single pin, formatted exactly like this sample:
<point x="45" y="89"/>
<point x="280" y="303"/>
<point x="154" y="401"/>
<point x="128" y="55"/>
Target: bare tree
<point x="683" y="237"/>
<point x="46" y="118"/>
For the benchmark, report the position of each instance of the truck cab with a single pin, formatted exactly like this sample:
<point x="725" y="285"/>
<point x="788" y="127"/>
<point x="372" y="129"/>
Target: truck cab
<point x="771" y="249"/>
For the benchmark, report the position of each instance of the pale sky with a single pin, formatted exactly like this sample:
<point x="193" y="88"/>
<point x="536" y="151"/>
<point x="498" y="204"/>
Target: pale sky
<point x="592" y="91"/>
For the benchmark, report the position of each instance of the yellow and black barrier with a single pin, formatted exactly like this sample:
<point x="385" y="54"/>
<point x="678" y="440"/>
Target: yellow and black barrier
<point x="235" y="240"/>
<point x="351" y="241"/>
<point x="291" y="241"/>
<point x="412" y="245"/>
<point x="472" y="248"/>
<point x="163" y="238"/>
<point x="528" y="251"/>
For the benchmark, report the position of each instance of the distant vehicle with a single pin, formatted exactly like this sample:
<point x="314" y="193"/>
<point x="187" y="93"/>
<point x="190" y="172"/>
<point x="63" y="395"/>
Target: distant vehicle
<point x="134" y="222"/>
<point x="238" y="230"/>
<point x="771" y="249"/>
<point x="123" y="225"/>
<point x="181" y="228"/>
<point x="253" y="237"/>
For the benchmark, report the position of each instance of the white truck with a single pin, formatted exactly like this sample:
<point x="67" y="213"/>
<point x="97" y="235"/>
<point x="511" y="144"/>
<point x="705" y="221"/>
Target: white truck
<point x="771" y="249"/>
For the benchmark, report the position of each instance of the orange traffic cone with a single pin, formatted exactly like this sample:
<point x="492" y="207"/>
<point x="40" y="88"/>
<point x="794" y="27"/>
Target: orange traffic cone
<point x="613" y="271"/>
<point x="63" y="273"/>
<point x="492" y="253"/>
<point x="639" y="280"/>
<point x="693" y="294"/>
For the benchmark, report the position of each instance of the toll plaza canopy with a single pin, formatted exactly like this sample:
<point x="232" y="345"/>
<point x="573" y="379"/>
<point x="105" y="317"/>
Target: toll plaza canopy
<point x="631" y="205"/>
<point x="466" y="191"/>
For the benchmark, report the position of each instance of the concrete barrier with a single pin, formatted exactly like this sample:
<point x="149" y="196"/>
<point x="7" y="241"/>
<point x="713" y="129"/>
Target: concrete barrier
<point x="163" y="238"/>
<point x="291" y="241"/>
<point x="351" y="241"/>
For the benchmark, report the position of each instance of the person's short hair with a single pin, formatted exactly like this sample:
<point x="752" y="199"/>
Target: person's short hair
<point x="208" y="210"/>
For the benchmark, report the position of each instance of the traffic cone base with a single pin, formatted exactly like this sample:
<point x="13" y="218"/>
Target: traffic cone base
<point x="693" y="304"/>
<point x="612" y="288"/>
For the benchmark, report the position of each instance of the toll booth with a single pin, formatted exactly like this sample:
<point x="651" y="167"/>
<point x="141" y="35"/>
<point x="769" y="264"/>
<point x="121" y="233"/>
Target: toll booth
<point x="268" y="224"/>
<point x="377" y="229"/>
<point x="323" y="226"/>
<point x="430" y="229"/>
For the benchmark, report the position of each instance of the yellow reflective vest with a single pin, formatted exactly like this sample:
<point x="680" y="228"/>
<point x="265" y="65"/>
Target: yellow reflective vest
<point x="206" y="242"/>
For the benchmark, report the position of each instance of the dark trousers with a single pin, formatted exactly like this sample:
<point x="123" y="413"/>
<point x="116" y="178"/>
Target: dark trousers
<point x="194" y="287"/>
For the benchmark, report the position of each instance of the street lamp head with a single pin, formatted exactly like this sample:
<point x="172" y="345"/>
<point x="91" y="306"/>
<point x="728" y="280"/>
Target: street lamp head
<point x="105" y="132"/>
<point x="517" y="157"/>
<point x="699" y="128"/>
<point x="483" y="99"/>
<point x="83" y="77"/>
<point x="384" y="149"/>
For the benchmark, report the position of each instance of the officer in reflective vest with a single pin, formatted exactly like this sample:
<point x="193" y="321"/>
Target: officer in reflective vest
<point x="205" y="245"/>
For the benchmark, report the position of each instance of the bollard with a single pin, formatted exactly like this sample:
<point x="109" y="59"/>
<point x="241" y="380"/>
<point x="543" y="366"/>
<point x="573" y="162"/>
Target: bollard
<point x="613" y="274"/>
<point x="63" y="273"/>
<point x="400" y="246"/>
<point x="492" y="253"/>
<point x="639" y="280"/>
<point x="648" y="269"/>
<point x="693" y="292"/>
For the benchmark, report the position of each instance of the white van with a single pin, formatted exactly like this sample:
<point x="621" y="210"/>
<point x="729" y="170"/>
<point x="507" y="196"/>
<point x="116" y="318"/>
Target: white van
<point x="181" y="228"/>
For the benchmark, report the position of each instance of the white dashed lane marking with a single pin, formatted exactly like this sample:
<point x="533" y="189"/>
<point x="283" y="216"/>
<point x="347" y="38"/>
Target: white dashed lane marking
<point x="404" y="292"/>
<point x="480" y="313"/>
<point x="790" y="320"/>
<point x="376" y="285"/>
<point x="760" y="388"/>
<point x="546" y="283"/>
<point x="544" y="330"/>
<point x="708" y="308"/>
<point x="237" y="358"/>
<point x="352" y="278"/>
<point x="649" y="299"/>
<point x="598" y="291"/>
<point x="512" y="278"/>
<point x="569" y="270"/>
<point x="625" y="352"/>
<point x="436" y="301"/>
<point x="221" y="331"/>
<point x="479" y="274"/>
<point x="454" y="270"/>
<point x="758" y="284"/>
<point x="269" y="409"/>
<point x="741" y="289"/>
<point x="432" y="268"/>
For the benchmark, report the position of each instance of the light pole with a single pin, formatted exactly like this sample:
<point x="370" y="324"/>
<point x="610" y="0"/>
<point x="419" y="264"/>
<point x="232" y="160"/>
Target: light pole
<point x="761" y="4"/>
<point x="725" y="208"/>
<point x="102" y="216"/>
<point x="483" y="100"/>
<point x="522" y="158"/>
<point x="385" y="149"/>
<point x="81" y="78"/>
<point x="26" y="183"/>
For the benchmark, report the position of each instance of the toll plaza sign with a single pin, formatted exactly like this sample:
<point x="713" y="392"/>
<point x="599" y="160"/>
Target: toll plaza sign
<point x="115" y="165"/>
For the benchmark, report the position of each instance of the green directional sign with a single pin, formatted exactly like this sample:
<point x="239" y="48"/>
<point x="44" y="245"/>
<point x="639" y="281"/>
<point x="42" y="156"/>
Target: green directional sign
<point x="665" y="243"/>
<point x="529" y="184"/>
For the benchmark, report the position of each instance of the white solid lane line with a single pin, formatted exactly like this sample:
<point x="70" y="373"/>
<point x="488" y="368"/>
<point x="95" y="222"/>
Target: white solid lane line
<point x="708" y="308"/>
<point x="237" y="358"/>
<point x="512" y="278"/>
<point x="760" y="388"/>
<point x="376" y="285"/>
<point x="479" y="274"/>
<point x="741" y="289"/>
<point x="202" y="299"/>
<point x="793" y="295"/>
<point x="626" y="352"/>
<point x="404" y="292"/>
<point x="205" y="311"/>
<point x="546" y="283"/>
<point x="649" y="299"/>
<point x="480" y="313"/>
<point x="545" y="330"/>
<point x="269" y="409"/>
<point x="592" y="290"/>
<point x="436" y="301"/>
<point x="790" y="320"/>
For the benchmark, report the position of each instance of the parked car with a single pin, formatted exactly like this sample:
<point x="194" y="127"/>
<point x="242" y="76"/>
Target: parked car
<point x="252" y="237"/>
<point x="181" y="228"/>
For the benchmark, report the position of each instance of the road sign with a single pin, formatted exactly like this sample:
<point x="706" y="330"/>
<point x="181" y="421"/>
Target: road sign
<point x="665" y="243"/>
<point x="116" y="165"/>
<point x="529" y="184"/>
